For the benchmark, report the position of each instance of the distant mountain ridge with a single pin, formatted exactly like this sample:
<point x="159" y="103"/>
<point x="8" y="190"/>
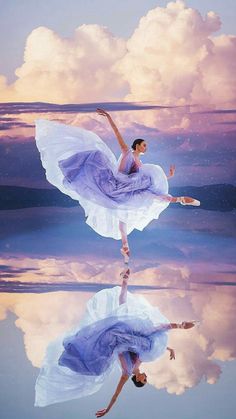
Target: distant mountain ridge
<point x="45" y="287"/>
<point x="221" y="197"/>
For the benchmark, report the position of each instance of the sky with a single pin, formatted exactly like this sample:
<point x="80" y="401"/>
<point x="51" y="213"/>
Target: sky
<point x="202" y="64"/>
<point x="18" y="19"/>
<point x="166" y="72"/>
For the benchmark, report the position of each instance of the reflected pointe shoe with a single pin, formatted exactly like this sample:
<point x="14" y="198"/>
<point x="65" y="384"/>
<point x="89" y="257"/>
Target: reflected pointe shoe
<point x="185" y="323"/>
<point x="125" y="274"/>
<point x="183" y="201"/>
<point x="125" y="253"/>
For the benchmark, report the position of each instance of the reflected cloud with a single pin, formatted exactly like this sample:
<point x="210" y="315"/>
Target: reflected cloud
<point x="42" y="318"/>
<point x="95" y="271"/>
<point x="197" y="350"/>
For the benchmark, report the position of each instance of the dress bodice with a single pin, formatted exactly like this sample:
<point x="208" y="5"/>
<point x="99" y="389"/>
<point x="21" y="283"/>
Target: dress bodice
<point x="130" y="359"/>
<point x="127" y="163"/>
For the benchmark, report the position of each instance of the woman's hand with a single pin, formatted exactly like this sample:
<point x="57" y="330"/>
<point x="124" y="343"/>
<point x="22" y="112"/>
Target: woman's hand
<point x="102" y="112"/>
<point x="171" y="171"/>
<point x="119" y="137"/>
<point x="172" y="354"/>
<point x="101" y="413"/>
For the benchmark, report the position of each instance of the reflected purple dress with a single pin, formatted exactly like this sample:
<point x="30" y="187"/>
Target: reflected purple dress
<point x="78" y="363"/>
<point x="81" y="165"/>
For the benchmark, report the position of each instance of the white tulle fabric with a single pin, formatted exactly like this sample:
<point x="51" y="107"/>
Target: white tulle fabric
<point x="57" y="383"/>
<point x="57" y="142"/>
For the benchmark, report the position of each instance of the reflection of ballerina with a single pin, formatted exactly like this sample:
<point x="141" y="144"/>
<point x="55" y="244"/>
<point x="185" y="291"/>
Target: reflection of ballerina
<point x="117" y="326"/>
<point x="116" y="197"/>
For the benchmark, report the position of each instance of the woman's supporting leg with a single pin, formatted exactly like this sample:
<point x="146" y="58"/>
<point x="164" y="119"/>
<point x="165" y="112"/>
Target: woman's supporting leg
<point x="123" y="232"/>
<point x="123" y="292"/>
<point x="125" y="245"/>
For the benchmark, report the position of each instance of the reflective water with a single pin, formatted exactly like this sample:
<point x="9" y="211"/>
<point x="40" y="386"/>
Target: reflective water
<point x="51" y="263"/>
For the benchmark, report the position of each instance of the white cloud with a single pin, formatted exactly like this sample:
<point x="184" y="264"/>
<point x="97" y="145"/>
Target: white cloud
<point x="172" y="57"/>
<point x="187" y="370"/>
<point x="63" y="70"/>
<point x="45" y="316"/>
<point x="49" y="270"/>
<point x="168" y="54"/>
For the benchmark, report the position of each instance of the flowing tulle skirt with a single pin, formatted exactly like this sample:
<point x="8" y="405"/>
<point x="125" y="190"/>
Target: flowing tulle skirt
<point x="81" y="165"/>
<point x="78" y="363"/>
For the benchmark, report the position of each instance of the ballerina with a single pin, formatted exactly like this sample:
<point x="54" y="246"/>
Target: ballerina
<point x="117" y="197"/>
<point x="118" y="329"/>
<point x="130" y="162"/>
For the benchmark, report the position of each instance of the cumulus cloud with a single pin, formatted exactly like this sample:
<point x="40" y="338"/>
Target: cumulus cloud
<point x="26" y="269"/>
<point x="66" y="70"/>
<point x="198" y="349"/>
<point x="215" y="310"/>
<point x="100" y="271"/>
<point x="172" y="57"/>
<point x="189" y="368"/>
<point x="42" y="318"/>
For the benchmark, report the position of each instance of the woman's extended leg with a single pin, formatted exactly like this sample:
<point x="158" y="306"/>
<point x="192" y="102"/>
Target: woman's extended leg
<point x="123" y="292"/>
<point x="125" y="245"/>
<point x="183" y="200"/>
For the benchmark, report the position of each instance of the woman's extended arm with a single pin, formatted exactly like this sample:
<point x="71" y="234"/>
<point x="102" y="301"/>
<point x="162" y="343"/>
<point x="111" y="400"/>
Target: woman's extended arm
<point x="122" y="381"/>
<point x="119" y="137"/>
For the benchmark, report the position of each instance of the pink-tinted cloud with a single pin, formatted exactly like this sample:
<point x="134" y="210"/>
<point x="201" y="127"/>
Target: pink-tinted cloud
<point x="184" y="62"/>
<point x="42" y="318"/>
<point x="173" y="57"/>
<point x="66" y="70"/>
<point x="94" y="270"/>
<point x="197" y="350"/>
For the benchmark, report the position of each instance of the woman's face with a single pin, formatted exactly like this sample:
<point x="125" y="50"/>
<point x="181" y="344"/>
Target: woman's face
<point x="141" y="377"/>
<point x="142" y="148"/>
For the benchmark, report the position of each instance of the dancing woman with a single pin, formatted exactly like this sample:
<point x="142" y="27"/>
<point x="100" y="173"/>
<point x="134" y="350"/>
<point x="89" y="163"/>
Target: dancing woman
<point x="118" y="329"/>
<point x="117" y="196"/>
<point x="129" y="163"/>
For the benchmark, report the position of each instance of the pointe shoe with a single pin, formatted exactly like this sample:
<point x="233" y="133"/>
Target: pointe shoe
<point x="125" y="253"/>
<point x="194" y="202"/>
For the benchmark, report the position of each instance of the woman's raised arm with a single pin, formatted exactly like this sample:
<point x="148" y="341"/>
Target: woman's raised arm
<point x="118" y="135"/>
<point x="121" y="383"/>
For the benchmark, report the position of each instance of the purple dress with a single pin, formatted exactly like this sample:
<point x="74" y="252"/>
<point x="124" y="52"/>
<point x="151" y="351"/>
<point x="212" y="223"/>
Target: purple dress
<point x="78" y="363"/>
<point x="81" y="165"/>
